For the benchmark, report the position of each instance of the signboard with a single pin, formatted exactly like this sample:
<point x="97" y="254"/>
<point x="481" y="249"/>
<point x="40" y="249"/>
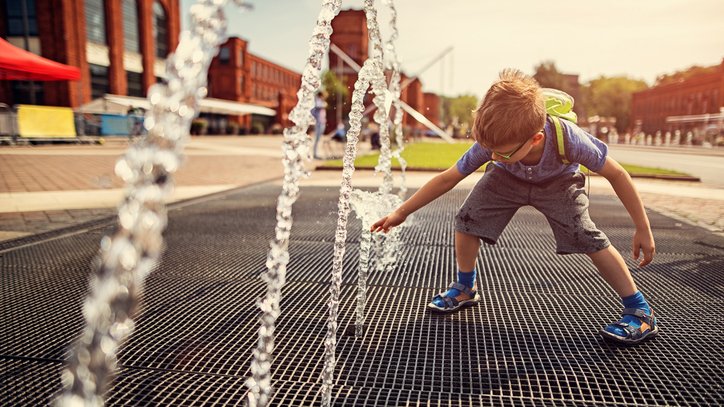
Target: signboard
<point x="45" y="122"/>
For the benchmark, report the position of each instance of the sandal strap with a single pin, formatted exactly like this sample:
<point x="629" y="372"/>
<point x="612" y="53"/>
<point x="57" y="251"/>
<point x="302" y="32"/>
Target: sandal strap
<point x="631" y="332"/>
<point x="450" y="302"/>
<point x="463" y="288"/>
<point x="639" y="313"/>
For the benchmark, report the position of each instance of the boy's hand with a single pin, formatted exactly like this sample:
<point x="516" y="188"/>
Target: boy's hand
<point x="388" y="222"/>
<point x="644" y="240"/>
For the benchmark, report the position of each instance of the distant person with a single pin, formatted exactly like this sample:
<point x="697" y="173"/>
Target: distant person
<point x="375" y="142"/>
<point x="320" y="116"/>
<point x="340" y="135"/>
<point x="514" y="132"/>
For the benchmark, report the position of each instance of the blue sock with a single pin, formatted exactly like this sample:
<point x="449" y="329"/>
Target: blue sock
<point x="467" y="279"/>
<point x="636" y="300"/>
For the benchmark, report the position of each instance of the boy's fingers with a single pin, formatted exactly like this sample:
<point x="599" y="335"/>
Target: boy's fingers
<point x="645" y="261"/>
<point x="636" y="248"/>
<point x="376" y="226"/>
<point x="648" y="256"/>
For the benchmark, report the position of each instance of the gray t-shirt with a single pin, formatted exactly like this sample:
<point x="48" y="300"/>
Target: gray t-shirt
<point x="581" y="148"/>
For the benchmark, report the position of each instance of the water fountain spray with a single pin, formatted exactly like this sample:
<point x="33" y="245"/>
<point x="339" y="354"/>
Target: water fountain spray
<point x="133" y="251"/>
<point x="372" y="206"/>
<point x="394" y="65"/>
<point x="296" y="150"/>
<point x="387" y="246"/>
<point x="371" y="75"/>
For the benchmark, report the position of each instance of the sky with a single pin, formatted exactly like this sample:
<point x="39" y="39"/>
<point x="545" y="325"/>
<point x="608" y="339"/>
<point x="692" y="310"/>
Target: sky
<point x="637" y="38"/>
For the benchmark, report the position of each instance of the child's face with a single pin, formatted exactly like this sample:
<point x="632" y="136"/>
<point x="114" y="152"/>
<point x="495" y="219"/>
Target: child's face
<point x="514" y="152"/>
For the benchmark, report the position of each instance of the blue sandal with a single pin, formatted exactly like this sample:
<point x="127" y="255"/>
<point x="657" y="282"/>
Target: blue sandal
<point x="648" y="329"/>
<point x="466" y="298"/>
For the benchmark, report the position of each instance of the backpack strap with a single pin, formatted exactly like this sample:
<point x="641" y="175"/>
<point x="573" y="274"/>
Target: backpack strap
<point x="560" y="139"/>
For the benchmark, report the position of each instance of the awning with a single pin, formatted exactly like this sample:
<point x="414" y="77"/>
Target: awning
<point x="221" y="106"/>
<point x="18" y="64"/>
<point x="120" y="105"/>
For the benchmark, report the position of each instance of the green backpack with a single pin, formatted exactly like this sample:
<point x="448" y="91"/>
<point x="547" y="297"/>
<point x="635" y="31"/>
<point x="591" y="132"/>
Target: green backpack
<point x="559" y="105"/>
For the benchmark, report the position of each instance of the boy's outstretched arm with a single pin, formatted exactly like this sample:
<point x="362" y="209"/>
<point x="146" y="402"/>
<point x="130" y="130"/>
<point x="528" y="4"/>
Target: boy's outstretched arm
<point x="621" y="182"/>
<point x="437" y="186"/>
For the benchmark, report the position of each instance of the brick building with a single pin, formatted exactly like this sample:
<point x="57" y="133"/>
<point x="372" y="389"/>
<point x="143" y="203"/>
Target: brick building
<point x="433" y="107"/>
<point x="119" y="46"/>
<point x="238" y="75"/>
<point x="351" y="36"/>
<point x="695" y="104"/>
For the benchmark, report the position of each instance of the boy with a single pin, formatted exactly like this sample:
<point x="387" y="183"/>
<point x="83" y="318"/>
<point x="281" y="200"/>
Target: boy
<point x="511" y="128"/>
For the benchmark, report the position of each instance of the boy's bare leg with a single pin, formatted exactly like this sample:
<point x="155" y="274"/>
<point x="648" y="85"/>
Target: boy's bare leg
<point x="466" y="251"/>
<point x="614" y="270"/>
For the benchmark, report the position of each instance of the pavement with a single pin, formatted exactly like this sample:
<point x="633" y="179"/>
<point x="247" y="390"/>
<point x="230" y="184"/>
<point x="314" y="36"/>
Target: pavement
<point x="48" y="187"/>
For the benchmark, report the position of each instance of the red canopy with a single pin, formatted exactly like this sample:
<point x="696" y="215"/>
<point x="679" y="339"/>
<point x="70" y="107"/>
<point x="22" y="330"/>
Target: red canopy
<point x="18" y="64"/>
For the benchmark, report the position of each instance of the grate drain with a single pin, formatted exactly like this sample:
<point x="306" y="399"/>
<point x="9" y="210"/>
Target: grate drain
<point x="532" y="340"/>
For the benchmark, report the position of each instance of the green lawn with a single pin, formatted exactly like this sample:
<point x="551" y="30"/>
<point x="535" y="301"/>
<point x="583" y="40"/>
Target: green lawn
<point x="440" y="156"/>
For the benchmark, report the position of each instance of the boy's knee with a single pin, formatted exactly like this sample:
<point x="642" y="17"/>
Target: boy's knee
<point x="466" y="236"/>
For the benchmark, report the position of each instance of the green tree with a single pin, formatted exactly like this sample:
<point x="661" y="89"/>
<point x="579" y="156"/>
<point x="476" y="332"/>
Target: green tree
<point x="337" y="93"/>
<point x="548" y="76"/>
<point x="459" y="109"/>
<point x="612" y="97"/>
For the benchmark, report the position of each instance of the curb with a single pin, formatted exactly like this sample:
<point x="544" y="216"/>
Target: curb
<point x="685" y="178"/>
<point x="110" y="220"/>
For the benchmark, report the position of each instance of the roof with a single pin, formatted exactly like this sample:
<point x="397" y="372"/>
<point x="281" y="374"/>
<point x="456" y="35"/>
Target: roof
<point x="120" y="104"/>
<point x="18" y="64"/>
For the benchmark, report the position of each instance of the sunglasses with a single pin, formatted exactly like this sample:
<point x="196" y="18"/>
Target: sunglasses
<point x="512" y="153"/>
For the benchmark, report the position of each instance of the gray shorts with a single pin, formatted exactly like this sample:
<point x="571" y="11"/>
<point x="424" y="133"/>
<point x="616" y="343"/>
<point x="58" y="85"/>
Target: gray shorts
<point x="563" y="201"/>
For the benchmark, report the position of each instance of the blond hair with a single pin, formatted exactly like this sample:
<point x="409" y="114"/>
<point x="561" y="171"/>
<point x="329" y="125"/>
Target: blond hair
<point x="513" y="110"/>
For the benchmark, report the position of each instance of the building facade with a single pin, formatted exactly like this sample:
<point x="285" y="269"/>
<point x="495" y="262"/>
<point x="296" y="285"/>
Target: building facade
<point x="120" y="46"/>
<point x="695" y="104"/>
<point x="238" y="75"/>
<point x="351" y="36"/>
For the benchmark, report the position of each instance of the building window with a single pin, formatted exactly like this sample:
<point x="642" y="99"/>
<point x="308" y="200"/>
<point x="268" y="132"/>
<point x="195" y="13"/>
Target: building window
<point x="224" y="55"/>
<point x="14" y="12"/>
<point x="15" y="16"/>
<point x="99" y="80"/>
<point x="130" y="26"/>
<point x="27" y="92"/>
<point x="241" y="85"/>
<point x="160" y="30"/>
<point x="135" y="84"/>
<point x="95" y="21"/>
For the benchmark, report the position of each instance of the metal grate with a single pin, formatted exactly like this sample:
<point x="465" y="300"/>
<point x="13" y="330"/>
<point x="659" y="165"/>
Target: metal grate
<point x="532" y="341"/>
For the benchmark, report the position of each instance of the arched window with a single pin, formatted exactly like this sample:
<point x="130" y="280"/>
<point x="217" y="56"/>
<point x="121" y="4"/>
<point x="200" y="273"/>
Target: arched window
<point x="160" y="29"/>
<point x="95" y="21"/>
<point x="131" y="40"/>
